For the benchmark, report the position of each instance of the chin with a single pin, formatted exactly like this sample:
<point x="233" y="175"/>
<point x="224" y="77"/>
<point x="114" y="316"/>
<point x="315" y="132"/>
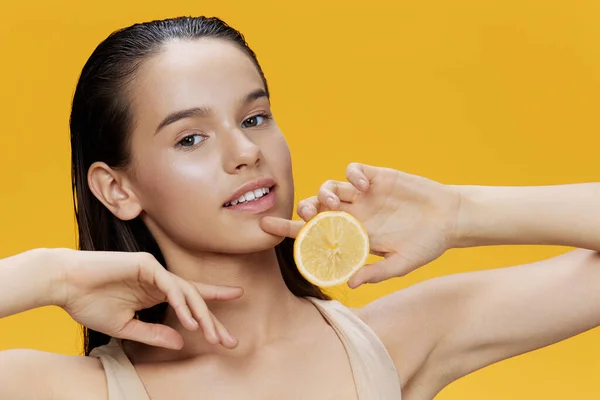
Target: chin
<point x="253" y="242"/>
<point x="242" y="237"/>
<point x="257" y="246"/>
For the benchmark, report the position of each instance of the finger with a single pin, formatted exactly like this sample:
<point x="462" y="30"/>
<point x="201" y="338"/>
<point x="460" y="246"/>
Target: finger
<point x="388" y="268"/>
<point x="218" y="293"/>
<point x="332" y="193"/>
<point x="151" y="334"/>
<point x="227" y="339"/>
<point x="361" y="175"/>
<point x="309" y="207"/>
<point x="201" y="313"/>
<point x="174" y="295"/>
<point x="281" y="227"/>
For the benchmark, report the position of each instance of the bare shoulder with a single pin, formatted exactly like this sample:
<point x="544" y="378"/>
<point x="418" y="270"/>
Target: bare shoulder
<point x="29" y="374"/>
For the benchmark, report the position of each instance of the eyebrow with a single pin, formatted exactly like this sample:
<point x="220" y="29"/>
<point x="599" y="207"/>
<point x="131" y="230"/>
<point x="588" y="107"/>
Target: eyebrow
<point x="205" y="111"/>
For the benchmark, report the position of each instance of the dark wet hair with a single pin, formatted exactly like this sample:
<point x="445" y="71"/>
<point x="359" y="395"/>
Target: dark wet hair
<point x="101" y="123"/>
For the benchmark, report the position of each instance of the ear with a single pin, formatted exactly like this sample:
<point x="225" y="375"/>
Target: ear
<point x="114" y="190"/>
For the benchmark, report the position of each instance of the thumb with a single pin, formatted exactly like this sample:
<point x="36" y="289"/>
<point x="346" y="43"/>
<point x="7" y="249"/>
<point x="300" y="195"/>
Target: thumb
<point x="152" y="334"/>
<point x="281" y="227"/>
<point x="391" y="267"/>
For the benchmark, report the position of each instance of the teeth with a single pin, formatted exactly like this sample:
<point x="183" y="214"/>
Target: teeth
<point x="249" y="196"/>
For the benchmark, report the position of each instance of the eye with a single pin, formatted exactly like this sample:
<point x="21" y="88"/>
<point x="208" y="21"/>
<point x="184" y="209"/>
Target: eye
<point x="255" y="120"/>
<point x="191" y="140"/>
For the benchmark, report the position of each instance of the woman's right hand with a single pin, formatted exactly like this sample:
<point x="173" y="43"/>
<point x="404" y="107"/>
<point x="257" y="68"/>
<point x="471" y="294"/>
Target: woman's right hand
<point x="103" y="290"/>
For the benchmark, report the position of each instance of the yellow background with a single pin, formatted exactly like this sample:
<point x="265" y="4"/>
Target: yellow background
<point x="486" y="92"/>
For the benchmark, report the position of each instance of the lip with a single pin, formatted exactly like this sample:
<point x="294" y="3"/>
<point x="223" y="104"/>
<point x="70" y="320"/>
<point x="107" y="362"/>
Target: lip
<point x="259" y="206"/>
<point x="252" y="185"/>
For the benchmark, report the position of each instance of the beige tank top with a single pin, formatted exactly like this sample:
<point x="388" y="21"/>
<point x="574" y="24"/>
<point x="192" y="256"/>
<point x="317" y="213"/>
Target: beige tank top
<point x="375" y="375"/>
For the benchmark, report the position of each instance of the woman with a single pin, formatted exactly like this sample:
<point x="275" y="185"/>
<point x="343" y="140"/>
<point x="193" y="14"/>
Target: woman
<point x="177" y="162"/>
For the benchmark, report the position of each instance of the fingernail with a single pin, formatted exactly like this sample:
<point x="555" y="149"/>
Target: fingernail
<point x="189" y="316"/>
<point x="331" y="202"/>
<point x="362" y="183"/>
<point x="193" y="322"/>
<point x="354" y="284"/>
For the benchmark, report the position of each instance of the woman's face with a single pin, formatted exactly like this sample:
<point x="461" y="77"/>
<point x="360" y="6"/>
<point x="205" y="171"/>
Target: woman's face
<point x="205" y="149"/>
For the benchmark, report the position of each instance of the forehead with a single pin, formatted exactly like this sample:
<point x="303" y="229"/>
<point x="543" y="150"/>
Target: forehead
<point x="194" y="73"/>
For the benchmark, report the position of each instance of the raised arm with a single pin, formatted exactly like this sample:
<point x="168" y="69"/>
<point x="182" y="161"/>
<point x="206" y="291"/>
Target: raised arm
<point x="456" y="324"/>
<point x="444" y="328"/>
<point x="565" y="215"/>
<point x="102" y="291"/>
<point x="29" y="280"/>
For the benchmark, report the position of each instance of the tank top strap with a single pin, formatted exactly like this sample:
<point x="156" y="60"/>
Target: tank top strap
<point x="122" y="380"/>
<point x="374" y="371"/>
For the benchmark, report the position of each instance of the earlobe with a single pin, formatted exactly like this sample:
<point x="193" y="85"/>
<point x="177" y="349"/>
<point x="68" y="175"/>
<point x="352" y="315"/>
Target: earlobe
<point x="112" y="188"/>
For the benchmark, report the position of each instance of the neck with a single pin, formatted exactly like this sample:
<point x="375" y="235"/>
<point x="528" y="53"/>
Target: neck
<point x="265" y="312"/>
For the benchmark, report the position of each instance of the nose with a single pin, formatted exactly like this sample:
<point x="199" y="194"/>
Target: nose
<point x="239" y="151"/>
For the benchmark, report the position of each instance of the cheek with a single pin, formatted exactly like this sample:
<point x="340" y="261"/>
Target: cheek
<point x="277" y="155"/>
<point x="179" y="196"/>
<point x="280" y="156"/>
<point x="165" y="182"/>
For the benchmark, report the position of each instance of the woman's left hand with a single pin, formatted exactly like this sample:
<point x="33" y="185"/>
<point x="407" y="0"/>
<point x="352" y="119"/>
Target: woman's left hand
<point x="410" y="220"/>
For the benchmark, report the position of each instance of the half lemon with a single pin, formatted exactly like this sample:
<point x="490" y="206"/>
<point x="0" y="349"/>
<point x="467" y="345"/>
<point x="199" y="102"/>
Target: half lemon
<point x="330" y="248"/>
